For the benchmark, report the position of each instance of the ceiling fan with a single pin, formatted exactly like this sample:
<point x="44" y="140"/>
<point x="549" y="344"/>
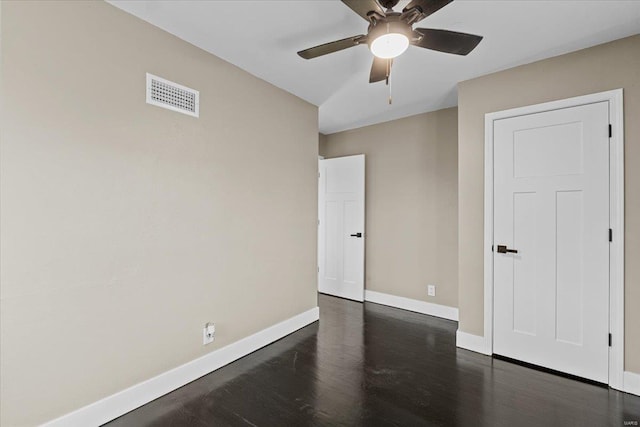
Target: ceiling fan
<point x="390" y="34"/>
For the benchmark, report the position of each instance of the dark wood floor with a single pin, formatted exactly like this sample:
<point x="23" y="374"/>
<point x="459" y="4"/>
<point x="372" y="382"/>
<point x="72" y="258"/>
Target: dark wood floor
<point x="370" y="365"/>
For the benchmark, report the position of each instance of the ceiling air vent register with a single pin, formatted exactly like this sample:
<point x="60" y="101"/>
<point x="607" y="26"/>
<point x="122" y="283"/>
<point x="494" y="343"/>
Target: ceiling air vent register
<point x="172" y="96"/>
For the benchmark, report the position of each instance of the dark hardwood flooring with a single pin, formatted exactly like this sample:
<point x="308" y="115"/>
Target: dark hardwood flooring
<point x="371" y="365"/>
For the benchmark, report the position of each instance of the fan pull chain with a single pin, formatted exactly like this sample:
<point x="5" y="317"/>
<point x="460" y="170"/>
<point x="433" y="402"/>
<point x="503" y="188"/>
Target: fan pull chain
<point x="389" y="62"/>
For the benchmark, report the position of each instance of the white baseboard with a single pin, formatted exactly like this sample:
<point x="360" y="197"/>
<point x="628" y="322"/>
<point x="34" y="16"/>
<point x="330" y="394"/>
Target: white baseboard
<point x="472" y="342"/>
<point x="446" y="312"/>
<point x="133" y="397"/>
<point x="632" y="383"/>
<point x="479" y="345"/>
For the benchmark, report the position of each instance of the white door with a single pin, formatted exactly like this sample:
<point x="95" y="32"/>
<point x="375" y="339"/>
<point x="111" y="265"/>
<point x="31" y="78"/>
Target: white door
<point x="551" y="205"/>
<point x="341" y="227"/>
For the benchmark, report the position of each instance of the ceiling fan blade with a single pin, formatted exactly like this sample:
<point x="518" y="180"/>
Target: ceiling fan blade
<point x="447" y="41"/>
<point x="363" y="7"/>
<point x="425" y="8"/>
<point x="380" y="69"/>
<point x="331" y="47"/>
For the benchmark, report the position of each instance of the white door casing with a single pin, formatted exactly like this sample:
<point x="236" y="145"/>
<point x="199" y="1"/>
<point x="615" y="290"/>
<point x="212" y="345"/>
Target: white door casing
<point x="341" y="227"/>
<point x="615" y="181"/>
<point x="551" y="204"/>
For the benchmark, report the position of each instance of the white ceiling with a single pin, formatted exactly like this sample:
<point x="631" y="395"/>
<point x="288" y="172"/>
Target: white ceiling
<point x="263" y="36"/>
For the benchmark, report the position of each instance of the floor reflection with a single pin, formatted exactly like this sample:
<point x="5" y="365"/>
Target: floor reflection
<point x="411" y="377"/>
<point x="339" y="374"/>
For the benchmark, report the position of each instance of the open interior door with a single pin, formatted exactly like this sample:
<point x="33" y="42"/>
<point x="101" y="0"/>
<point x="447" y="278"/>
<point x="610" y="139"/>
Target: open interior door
<point x="341" y="227"/>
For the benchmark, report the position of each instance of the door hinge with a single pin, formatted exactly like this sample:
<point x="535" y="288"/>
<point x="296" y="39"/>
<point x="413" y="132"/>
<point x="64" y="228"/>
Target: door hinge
<point x="610" y="131"/>
<point x="491" y="248"/>
<point x="610" y="235"/>
<point x="318" y="269"/>
<point x="610" y="340"/>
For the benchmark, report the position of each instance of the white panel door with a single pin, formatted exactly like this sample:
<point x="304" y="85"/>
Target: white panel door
<point x="341" y="227"/>
<point x="551" y="205"/>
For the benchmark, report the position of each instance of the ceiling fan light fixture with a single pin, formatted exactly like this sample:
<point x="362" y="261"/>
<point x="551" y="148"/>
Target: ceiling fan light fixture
<point x="389" y="45"/>
<point x="389" y="38"/>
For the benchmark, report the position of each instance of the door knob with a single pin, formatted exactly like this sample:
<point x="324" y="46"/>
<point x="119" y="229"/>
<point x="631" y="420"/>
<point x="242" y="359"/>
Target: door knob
<point x="502" y="249"/>
<point x="356" y="235"/>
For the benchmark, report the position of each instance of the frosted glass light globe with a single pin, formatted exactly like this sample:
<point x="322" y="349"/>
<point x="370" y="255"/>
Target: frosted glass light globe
<point x="389" y="45"/>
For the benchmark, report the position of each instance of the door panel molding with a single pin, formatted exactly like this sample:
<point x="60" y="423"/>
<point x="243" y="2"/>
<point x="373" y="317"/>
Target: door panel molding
<point x="616" y="209"/>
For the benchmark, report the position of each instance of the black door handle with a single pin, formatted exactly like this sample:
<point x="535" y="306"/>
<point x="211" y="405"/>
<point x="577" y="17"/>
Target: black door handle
<point x="356" y="235"/>
<point x="502" y="249"/>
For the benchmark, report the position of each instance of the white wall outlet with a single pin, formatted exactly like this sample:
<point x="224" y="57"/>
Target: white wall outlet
<point x="431" y="290"/>
<point x="208" y="333"/>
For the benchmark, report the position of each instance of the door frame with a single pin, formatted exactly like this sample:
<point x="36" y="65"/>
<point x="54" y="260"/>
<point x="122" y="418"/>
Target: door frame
<point x="616" y="215"/>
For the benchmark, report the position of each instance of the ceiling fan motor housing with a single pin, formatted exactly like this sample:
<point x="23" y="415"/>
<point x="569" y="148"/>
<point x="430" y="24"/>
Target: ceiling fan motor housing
<point x="388" y="4"/>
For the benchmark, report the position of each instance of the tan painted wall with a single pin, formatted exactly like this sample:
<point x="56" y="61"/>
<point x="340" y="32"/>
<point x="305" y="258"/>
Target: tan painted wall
<point x="126" y="227"/>
<point x="605" y="67"/>
<point x="411" y="203"/>
<point x="322" y="139"/>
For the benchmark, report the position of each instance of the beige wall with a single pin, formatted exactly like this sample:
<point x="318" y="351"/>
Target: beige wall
<point x="125" y="227"/>
<point x="609" y="66"/>
<point x="322" y="140"/>
<point x="411" y="203"/>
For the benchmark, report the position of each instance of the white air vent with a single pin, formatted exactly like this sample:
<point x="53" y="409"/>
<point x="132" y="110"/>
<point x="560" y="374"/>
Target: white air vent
<point x="172" y="96"/>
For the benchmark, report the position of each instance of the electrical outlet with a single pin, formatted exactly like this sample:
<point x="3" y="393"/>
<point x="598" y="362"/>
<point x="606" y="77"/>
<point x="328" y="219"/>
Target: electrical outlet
<point x="431" y="290"/>
<point x="208" y="333"/>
